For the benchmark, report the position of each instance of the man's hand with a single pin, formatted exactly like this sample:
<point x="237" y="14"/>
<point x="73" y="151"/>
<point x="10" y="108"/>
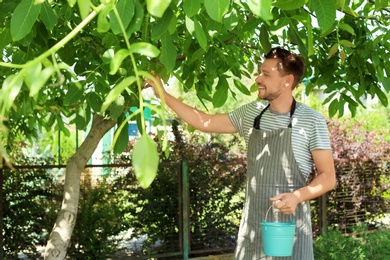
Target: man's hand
<point x="156" y="84"/>
<point x="285" y="202"/>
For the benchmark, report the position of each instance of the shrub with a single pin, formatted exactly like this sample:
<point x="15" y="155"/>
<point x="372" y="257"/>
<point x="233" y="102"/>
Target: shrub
<point x="99" y="221"/>
<point x="215" y="197"/>
<point x="30" y="204"/>
<point x="361" y="244"/>
<point x="361" y="170"/>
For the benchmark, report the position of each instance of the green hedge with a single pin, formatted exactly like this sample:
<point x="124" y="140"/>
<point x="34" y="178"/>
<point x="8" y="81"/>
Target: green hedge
<point x="359" y="245"/>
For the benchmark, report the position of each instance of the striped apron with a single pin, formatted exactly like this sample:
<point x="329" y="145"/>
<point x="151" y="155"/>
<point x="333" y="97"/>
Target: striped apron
<point x="272" y="169"/>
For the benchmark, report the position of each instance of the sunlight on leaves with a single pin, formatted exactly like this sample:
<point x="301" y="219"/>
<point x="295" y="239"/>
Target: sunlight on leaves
<point x="157" y="7"/>
<point x="84" y="7"/>
<point x="145" y="161"/>
<point x="216" y="9"/>
<point x="145" y="48"/>
<point x="23" y="19"/>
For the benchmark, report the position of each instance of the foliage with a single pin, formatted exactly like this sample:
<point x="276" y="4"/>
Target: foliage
<point x="99" y="220"/>
<point x="62" y="60"/>
<point x="351" y="141"/>
<point x="107" y="208"/>
<point x="361" y="161"/>
<point x="30" y="203"/>
<point x="362" y="245"/>
<point x="215" y="196"/>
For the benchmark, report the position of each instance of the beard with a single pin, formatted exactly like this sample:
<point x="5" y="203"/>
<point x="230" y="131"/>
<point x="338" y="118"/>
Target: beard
<point x="269" y="96"/>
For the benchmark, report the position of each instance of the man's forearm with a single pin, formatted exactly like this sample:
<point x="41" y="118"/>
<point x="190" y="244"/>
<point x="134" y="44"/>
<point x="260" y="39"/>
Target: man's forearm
<point x="196" y="118"/>
<point x="319" y="186"/>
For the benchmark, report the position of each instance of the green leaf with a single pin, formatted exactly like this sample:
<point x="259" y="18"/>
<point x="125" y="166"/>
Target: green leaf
<point x="216" y="9"/>
<point x="231" y="20"/>
<point x="335" y="86"/>
<point x="190" y="25"/>
<point x="191" y="7"/>
<point x="261" y="8"/>
<point x="160" y="26"/>
<point x="254" y="88"/>
<point x="349" y="99"/>
<point x="346" y="27"/>
<point x="381" y="4"/>
<point x="72" y="2"/>
<point x="157" y="7"/>
<point x="40" y="81"/>
<point x="221" y="94"/>
<point x="31" y="72"/>
<point x="347" y="43"/>
<point x="84" y="6"/>
<point x="136" y="22"/>
<point x="386" y="83"/>
<point x="341" y="107"/>
<point x="333" y="50"/>
<point x="116" y="62"/>
<point x="168" y="52"/>
<point x="329" y="98"/>
<point x="123" y="138"/>
<point x="264" y="39"/>
<point x="290" y="4"/>
<point x="326" y="13"/>
<point x="73" y="96"/>
<point x="108" y="55"/>
<point x="352" y="109"/>
<point x="116" y="91"/>
<point x="5" y="37"/>
<point x="23" y="18"/>
<point x="94" y="101"/>
<point x="310" y="40"/>
<point x="103" y="25"/>
<point x="145" y="48"/>
<point x="200" y="34"/>
<point x="381" y="95"/>
<point x="241" y="87"/>
<point x="48" y="16"/>
<point x="333" y="107"/>
<point x="198" y="54"/>
<point x="10" y="89"/>
<point x="280" y="23"/>
<point x="145" y="161"/>
<point x="117" y="107"/>
<point x="126" y="10"/>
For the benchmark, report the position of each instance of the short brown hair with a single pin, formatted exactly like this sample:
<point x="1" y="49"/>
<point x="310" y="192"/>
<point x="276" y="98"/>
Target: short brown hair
<point x="289" y="63"/>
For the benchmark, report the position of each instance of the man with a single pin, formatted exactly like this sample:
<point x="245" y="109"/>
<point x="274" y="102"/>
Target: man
<point x="283" y="139"/>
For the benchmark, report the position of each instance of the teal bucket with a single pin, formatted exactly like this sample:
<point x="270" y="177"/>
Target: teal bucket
<point x="278" y="237"/>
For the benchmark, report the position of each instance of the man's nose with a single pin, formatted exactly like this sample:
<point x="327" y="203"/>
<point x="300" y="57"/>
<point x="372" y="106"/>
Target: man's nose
<point x="258" y="78"/>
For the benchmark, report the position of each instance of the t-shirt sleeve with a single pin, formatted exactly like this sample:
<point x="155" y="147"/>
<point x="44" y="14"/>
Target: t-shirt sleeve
<point x="237" y="118"/>
<point x="320" y="134"/>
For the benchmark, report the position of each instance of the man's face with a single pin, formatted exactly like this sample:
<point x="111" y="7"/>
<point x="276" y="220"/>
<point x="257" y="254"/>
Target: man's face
<point x="269" y="81"/>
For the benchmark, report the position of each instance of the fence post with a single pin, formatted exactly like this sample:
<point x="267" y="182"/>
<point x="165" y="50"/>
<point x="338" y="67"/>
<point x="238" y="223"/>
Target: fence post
<point x="322" y="214"/>
<point x="186" y="210"/>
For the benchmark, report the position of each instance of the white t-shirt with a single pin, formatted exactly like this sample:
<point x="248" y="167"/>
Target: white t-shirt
<point x="309" y="129"/>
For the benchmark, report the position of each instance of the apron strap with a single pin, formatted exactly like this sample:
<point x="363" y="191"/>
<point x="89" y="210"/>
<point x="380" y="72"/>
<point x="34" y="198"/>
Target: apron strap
<point x="256" y="123"/>
<point x="293" y="106"/>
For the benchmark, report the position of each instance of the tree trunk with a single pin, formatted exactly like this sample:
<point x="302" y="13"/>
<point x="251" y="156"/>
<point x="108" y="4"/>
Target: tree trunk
<point x="59" y="239"/>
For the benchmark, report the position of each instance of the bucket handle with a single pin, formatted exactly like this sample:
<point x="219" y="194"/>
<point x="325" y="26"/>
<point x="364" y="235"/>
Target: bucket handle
<point x="266" y="214"/>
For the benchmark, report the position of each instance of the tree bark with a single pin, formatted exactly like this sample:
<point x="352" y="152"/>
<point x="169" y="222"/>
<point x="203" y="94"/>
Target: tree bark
<point x="60" y="236"/>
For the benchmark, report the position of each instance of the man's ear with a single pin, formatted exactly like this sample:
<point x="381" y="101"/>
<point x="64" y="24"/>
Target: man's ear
<point x="289" y="80"/>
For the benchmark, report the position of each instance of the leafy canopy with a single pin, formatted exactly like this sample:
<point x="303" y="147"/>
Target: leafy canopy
<point x="62" y="61"/>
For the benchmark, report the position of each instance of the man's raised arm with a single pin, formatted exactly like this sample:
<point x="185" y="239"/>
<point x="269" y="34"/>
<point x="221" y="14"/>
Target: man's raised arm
<point x="218" y="123"/>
